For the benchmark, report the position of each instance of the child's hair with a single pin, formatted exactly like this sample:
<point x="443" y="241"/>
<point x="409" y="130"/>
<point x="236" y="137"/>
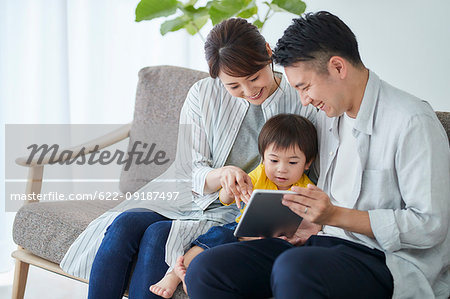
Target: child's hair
<point x="237" y="48"/>
<point x="289" y="130"/>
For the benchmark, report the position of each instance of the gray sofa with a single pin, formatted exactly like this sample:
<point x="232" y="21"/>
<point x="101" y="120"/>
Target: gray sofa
<point x="44" y="231"/>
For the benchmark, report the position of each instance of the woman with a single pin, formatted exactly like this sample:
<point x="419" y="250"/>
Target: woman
<point x="222" y="115"/>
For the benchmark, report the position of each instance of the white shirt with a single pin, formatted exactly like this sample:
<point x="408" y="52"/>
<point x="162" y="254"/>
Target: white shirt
<point x="346" y="163"/>
<point x="345" y="171"/>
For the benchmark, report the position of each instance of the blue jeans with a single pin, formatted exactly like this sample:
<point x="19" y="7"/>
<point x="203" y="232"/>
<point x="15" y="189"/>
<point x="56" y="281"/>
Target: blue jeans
<point x="136" y="238"/>
<point x="325" y="267"/>
<point x="217" y="235"/>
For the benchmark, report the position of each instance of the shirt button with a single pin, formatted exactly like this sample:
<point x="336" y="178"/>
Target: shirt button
<point x="331" y="153"/>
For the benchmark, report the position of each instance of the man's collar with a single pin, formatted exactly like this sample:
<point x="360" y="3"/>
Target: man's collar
<point x="364" y="119"/>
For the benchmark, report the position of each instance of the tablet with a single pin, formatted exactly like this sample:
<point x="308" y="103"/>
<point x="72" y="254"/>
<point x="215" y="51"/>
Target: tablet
<point x="266" y="216"/>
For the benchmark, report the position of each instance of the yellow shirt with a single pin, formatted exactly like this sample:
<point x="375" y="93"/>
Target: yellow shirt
<point x="261" y="181"/>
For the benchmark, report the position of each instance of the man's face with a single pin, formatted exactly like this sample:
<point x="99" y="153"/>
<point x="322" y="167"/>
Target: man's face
<point x="322" y="90"/>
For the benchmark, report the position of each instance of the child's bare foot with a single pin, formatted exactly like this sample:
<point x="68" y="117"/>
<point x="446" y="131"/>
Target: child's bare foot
<point x="166" y="286"/>
<point x="180" y="271"/>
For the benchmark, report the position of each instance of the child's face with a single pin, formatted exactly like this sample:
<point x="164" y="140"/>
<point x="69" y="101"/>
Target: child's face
<point x="284" y="167"/>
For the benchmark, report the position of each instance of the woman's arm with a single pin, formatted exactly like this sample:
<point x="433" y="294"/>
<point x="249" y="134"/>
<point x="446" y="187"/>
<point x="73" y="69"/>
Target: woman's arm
<point x="195" y="117"/>
<point x="198" y="148"/>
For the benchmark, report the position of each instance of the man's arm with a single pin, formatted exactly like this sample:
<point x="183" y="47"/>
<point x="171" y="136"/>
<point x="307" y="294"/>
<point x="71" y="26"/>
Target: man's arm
<point x="423" y="178"/>
<point x="422" y="164"/>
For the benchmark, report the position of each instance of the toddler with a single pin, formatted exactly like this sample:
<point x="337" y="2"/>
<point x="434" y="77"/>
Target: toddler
<point x="287" y="144"/>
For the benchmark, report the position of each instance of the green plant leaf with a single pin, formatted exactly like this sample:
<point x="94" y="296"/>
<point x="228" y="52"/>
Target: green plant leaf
<point x="193" y="12"/>
<point x="274" y="7"/>
<point x="151" y="9"/>
<point x="173" y="25"/>
<point x="218" y="15"/>
<point x="194" y="26"/>
<point x="258" y="24"/>
<point x="223" y="9"/>
<point x="191" y="2"/>
<point x="248" y="13"/>
<point x="293" y="6"/>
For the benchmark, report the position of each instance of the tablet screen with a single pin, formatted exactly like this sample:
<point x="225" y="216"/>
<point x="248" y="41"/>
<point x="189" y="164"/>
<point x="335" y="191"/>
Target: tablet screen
<point x="266" y="216"/>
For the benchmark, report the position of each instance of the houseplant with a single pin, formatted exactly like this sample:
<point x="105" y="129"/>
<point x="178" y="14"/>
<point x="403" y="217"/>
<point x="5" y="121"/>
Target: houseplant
<point x="192" y="16"/>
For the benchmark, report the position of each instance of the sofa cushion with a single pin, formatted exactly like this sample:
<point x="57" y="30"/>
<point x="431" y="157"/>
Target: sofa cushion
<point x="47" y="229"/>
<point x="161" y="92"/>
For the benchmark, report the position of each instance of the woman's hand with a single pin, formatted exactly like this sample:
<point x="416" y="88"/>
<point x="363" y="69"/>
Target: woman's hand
<point x="236" y="184"/>
<point x="305" y="230"/>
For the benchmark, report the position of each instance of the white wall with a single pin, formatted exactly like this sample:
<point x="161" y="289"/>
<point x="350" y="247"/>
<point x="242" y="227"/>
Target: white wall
<point x="406" y="42"/>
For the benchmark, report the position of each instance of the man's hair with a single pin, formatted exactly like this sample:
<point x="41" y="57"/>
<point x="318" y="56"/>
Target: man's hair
<point x="316" y="37"/>
<point x="236" y="48"/>
<point x="288" y="131"/>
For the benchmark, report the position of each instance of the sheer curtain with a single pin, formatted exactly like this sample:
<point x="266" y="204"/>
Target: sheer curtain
<point x="76" y="61"/>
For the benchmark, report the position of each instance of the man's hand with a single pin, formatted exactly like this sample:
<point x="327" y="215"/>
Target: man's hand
<point x="304" y="231"/>
<point x="314" y="205"/>
<point x="311" y="203"/>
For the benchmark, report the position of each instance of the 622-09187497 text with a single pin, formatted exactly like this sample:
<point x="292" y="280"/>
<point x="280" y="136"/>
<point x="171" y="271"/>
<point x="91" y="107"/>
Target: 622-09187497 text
<point x="151" y="195"/>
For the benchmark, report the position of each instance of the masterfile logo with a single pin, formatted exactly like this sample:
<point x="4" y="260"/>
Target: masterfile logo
<point x="80" y="162"/>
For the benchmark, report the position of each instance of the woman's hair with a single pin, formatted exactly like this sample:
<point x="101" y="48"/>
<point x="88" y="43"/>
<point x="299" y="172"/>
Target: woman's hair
<point x="288" y="131"/>
<point x="236" y="48"/>
<point x="316" y="37"/>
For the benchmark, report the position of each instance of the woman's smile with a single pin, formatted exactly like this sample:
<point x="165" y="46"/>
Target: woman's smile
<point x="256" y="96"/>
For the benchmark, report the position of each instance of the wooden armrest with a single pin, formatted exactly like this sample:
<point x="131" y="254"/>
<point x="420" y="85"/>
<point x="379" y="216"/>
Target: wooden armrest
<point x="90" y="146"/>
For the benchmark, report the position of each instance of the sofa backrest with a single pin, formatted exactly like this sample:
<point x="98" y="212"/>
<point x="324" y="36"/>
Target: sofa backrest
<point x="444" y="117"/>
<point x="160" y="94"/>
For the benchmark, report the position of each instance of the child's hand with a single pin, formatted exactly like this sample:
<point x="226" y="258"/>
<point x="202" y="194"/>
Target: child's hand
<point x="236" y="184"/>
<point x="243" y="196"/>
<point x="230" y="197"/>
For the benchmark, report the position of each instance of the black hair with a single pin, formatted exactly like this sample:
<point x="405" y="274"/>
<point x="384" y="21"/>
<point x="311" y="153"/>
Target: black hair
<point x="316" y="37"/>
<point x="287" y="131"/>
<point x="237" y="48"/>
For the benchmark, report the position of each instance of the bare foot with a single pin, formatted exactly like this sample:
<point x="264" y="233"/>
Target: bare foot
<point x="166" y="286"/>
<point x="180" y="271"/>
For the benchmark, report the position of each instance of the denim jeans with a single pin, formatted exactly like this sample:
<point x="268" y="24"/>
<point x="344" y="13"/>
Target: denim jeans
<point x="325" y="267"/>
<point x="136" y="238"/>
<point x="217" y="235"/>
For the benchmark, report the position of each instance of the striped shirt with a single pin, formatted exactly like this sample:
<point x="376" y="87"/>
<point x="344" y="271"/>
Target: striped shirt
<point x="209" y="123"/>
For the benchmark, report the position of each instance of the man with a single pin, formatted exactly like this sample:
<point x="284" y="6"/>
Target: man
<point x="382" y="197"/>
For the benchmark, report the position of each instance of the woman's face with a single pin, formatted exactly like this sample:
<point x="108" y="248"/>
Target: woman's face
<point x="255" y="88"/>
